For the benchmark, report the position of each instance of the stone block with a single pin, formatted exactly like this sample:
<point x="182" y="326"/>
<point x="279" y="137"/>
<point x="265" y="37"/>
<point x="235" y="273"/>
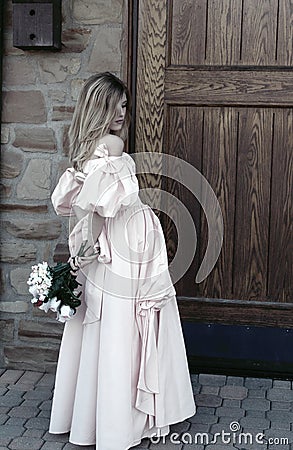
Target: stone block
<point x="18" y="280"/>
<point x="282" y="384"/>
<point x="33" y="229"/>
<point x="17" y="306"/>
<point x="24" y="412"/>
<point x="212" y="380"/>
<point x="40" y="423"/>
<point x="57" y="96"/>
<point x="75" y="39"/>
<point x="234" y="392"/>
<point x="234" y="413"/>
<point x="31" y="358"/>
<point x="9" y="431"/>
<point x="256" y="404"/>
<point x="62" y="113"/>
<point x="208" y="400"/>
<point x="10" y="376"/>
<point x="5" y="190"/>
<point x="205" y="419"/>
<point x="5" y="135"/>
<point x="106" y="54"/>
<point x="11" y="162"/>
<point x="258" y="383"/>
<point x="47" y="380"/>
<point x="33" y="433"/>
<point x="6" y="330"/>
<point x="30" y="377"/>
<point x="61" y="438"/>
<point x="16" y="252"/>
<point x="22" y="443"/>
<point x="40" y="208"/>
<point x="36" y="181"/>
<point x="280" y="395"/>
<point x="39" y="394"/>
<point x="76" y="86"/>
<point x="56" y="69"/>
<point x="18" y="71"/>
<point x="97" y="11"/>
<point x="250" y="422"/>
<point x="35" y="139"/>
<point x="24" y="107"/>
<point x="40" y="331"/>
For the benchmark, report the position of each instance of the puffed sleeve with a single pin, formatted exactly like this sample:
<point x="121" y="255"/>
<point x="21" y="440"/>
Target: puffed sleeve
<point x="109" y="186"/>
<point x="66" y="191"/>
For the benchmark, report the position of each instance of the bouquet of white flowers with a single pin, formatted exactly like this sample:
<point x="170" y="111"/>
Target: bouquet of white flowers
<point x="54" y="288"/>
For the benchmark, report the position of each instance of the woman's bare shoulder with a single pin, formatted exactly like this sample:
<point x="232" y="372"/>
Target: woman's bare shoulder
<point x="114" y="143"/>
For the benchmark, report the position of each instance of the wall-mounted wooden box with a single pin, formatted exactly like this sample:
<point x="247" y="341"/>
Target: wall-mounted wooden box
<point x="37" y="24"/>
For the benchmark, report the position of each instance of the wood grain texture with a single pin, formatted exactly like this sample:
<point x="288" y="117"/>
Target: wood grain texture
<point x="285" y="33"/>
<point x="184" y="137"/>
<point x="217" y="87"/>
<point x="280" y="273"/>
<point x="219" y="168"/>
<point x="188" y="31"/>
<point x="223" y="32"/>
<point x="259" y="32"/>
<point x="236" y="312"/>
<point x="150" y="87"/>
<point x="252" y="204"/>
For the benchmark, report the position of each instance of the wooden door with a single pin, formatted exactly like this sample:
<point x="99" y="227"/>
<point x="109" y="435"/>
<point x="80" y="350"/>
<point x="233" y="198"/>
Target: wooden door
<point x="215" y="87"/>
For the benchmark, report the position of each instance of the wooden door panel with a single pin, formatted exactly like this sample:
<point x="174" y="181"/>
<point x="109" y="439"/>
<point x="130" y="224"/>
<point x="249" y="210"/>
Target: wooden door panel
<point x="280" y="267"/>
<point x="215" y="88"/>
<point x="252" y="204"/>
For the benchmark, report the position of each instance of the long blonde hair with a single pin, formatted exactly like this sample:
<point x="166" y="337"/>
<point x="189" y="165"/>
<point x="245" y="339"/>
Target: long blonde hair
<point x="93" y="114"/>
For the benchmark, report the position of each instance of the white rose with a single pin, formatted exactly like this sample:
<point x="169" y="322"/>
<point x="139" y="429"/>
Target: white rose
<point x="33" y="290"/>
<point x="45" y="306"/>
<point x="65" y="313"/>
<point x="54" y="304"/>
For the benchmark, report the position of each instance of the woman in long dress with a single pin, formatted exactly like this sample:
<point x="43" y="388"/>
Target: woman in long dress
<point x="122" y="372"/>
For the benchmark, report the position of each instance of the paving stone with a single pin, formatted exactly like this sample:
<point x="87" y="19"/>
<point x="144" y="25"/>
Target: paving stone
<point x="207" y="400"/>
<point x="219" y="447"/>
<point x="52" y="446"/>
<point x="280" y="416"/>
<point x="3" y="418"/>
<point x="39" y="423"/>
<point x="205" y="410"/>
<point x="250" y="413"/>
<point x="282" y="384"/>
<point x="258" y="383"/>
<point x="234" y="392"/>
<point x="3" y="390"/>
<point x="46" y="405"/>
<point x="23" y="388"/>
<point x="256" y="404"/>
<point x="10" y="431"/>
<point x="24" y="412"/>
<point x="4" y="409"/>
<point x="70" y="446"/>
<point x="45" y="413"/>
<point x="280" y="426"/>
<point x="203" y="418"/>
<point x="281" y="405"/>
<point x="5" y="441"/>
<point x="280" y="395"/>
<point x="231" y="403"/>
<point x="11" y="399"/>
<point x="16" y="421"/>
<point x="48" y="380"/>
<point x="33" y="433"/>
<point x="30" y="377"/>
<point x="251" y="422"/>
<point x="213" y="390"/>
<point x="22" y="443"/>
<point x="10" y="376"/>
<point x="235" y="381"/>
<point x="234" y="413"/>
<point x="199" y="428"/>
<point x="212" y="380"/>
<point x="257" y="393"/>
<point x="38" y="394"/>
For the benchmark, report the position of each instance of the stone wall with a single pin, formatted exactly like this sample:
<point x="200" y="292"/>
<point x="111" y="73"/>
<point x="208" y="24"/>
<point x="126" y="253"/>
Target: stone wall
<point x="40" y="91"/>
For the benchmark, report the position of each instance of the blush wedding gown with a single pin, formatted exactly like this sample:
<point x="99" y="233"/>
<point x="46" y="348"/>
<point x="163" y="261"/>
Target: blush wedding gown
<point x="122" y="372"/>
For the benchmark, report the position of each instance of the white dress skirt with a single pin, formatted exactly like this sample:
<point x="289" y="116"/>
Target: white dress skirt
<point x="122" y="372"/>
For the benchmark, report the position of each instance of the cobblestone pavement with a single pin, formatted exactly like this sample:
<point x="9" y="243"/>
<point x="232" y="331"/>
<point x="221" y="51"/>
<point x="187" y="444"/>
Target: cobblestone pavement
<point x="247" y="413"/>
